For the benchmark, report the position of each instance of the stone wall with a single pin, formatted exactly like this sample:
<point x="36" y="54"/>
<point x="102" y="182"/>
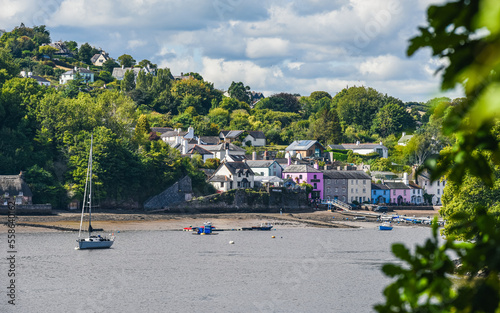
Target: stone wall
<point x="245" y="203"/>
<point x="178" y="192"/>
<point x="28" y="209"/>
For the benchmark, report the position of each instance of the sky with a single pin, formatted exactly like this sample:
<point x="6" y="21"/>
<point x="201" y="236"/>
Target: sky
<point x="272" y="46"/>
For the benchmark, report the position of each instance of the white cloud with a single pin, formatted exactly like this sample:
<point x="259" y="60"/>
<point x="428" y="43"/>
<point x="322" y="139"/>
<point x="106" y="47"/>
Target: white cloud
<point x="136" y="43"/>
<point x="382" y="67"/>
<point x="266" y="47"/>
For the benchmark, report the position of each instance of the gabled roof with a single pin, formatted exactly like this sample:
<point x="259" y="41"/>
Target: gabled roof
<point x="80" y="70"/>
<point x="13" y="184"/>
<point x="199" y="150"/>
<point x="257" y="134"/>
<point x="219" y="178"/>
<point x="260" y="163"/>
<point x="236" y="158"/>
<point x="39" y="79"/>
<point x="332" y="174"/>
<point x="235" y="168"/>
<point x="379" y="187"/>
<point x="232" y="134"/>
<point x="222" y="147"/>
<point x="405" y="138"/>
<point x="210" y="140"/>
<point x="392" y="185"/>
<point x="301" y="169"/>
<point x="412" y="185"/>
<point x="173" y="133"/>
<point x="302" y="145"/>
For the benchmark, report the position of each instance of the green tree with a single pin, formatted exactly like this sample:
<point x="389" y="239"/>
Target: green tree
<point x="326" y="127"/>
<point x="8" y="68"/>
<point x="85" y="53"/>
<point x="358" y="106"/>
<point x="142" y="128"/>
<point x="146" y="63"/>
<point x="391" y="119"/>
<point x="109" y="65"/>
<point x="128" y="81"/>
<point x="318" y="95"/>
<point x="283" y="102"/>
<point x="240" y="92"/>
<point x="48" y="50"/>
<point x="126" y="60"/>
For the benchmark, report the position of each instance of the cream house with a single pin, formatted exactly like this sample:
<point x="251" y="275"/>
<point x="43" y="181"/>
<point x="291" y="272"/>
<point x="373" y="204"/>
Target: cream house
<point x="232" y="175"/>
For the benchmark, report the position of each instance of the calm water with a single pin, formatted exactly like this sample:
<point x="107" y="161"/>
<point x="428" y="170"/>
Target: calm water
<point x="301" y="270"/>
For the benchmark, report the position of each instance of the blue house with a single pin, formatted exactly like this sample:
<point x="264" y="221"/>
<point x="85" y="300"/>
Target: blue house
<point x="380" y="194"/>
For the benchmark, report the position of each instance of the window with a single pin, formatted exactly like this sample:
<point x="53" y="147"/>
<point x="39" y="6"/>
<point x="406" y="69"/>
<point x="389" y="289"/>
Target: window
<point x="364" y="190"/>
<point x="394" y="192"/>
<point x="343" y="190"/>
<point x="404" y="192"/>
<point x="356" y="190"/>
<point x="300" y="176"/>
<point x="261" y="173"/>
<point x="314" y="176"/>
<point x="336" y="190"/>
<point x="239" y="174"/>
<point x="438" y="191"/>
<point x="443" y="183"/>
<point x="352" y="190"/>
<point x="287" y="176"/>
<point x="364" y="199"/>
<point x="356" y="181"/>
<point x="21" y="193"/>
<point x="315" y="186"/>
<point x="438" y="183"/>
<point x="247" y="174"/>
<point x="364" y="182"/>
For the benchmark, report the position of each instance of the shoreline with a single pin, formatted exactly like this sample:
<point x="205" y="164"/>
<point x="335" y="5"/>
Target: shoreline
<point x="115" y="222"/>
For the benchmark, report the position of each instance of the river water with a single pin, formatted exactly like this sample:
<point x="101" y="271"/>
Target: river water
<point x="300" y="270"/>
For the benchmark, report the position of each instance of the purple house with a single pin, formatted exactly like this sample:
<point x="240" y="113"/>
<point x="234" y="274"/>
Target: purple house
<point x="400" y="193"/>
<point x="308" y="174"/>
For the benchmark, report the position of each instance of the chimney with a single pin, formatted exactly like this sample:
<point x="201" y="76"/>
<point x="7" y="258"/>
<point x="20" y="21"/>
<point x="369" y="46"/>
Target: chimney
<point x="266" y="156"/>
<point x="88" y="68"/>
<point x="184" y="146"/>
<point x="190" y="133"/>
<point x="199" y="140"/>
<point x="357" y="143"/>
<point x="405" y="179"/>
<point x="30" y="74"/>
<point x="404" y="134"/>
<point x="381" y="143"/>
<point x="123" y="67"/>
<point x="289" y="159"/>
<point x="254" y="155"/>
<point x="23" y="73"/>
<point x="76" y="69"/>
<point x="316" y="165"/>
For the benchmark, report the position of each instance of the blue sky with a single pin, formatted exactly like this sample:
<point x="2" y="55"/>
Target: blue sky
<point x="272" y="46"/>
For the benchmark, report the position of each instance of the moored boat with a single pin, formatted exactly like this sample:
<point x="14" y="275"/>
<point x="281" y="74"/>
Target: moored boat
<point x="385" y="226"/>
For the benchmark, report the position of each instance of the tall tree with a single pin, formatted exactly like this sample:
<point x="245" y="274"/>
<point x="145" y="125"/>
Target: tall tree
<point x="126" y="60"/>
<point x="128" y="81"/>
<point x="240" y="92"/>
<point x="85" y="53"/>
<point x="391" y="119"/>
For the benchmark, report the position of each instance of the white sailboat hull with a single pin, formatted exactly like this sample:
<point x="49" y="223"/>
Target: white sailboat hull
<point x="95" y="243"/>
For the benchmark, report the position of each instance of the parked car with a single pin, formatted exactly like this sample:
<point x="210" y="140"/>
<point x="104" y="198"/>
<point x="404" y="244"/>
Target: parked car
<point x="382" y="209"/>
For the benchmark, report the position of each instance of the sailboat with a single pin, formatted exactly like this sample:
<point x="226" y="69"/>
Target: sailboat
<point x="92" y="241"/>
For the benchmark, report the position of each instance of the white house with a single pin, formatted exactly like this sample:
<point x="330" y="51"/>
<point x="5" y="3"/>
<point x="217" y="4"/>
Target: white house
<point x="359" y="186"/>
<point x="265" y="167"/>
<point x="99" y="58"/>
<point x="40" y="80"/>
<point x="435" y="189"/>
<point x="417" y="193"/>
<point x="85" y="73"/>
<point x="363" y="148"/>
<point x="205" y="154"/>
<point x="256" y="138"/>
<point x="232" y="175"/>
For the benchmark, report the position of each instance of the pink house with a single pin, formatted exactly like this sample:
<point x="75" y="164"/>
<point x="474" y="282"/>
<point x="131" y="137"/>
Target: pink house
<point x="308" y="174"/>
<point x="399" y="193"/>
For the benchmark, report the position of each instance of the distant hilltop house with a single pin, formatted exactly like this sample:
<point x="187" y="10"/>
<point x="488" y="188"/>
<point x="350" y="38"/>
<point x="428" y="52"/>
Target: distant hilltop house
<point x="62" y="50"/>
<point x="181" y="77"/>
<point x="119" y="72"/>
<point x="306" y="149"/>
<point x="403" y="141"/>
<point x="40" y="80"/>
<point x="13" y="187"/>
<point x="256" y="138"/>
<point x="85" y="73"/>
<point x="99" y="58"/>
<point x="363" y="148"/>
<point x="256" y="97"/>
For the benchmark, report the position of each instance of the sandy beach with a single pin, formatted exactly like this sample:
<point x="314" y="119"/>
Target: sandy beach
<point x="133" y="221"/>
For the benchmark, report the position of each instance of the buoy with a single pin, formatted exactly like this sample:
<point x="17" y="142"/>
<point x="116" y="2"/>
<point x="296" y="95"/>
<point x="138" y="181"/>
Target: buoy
<point x="118" y="231"/>
<point x="273" y="237"/>
<point x="231" y="242"/>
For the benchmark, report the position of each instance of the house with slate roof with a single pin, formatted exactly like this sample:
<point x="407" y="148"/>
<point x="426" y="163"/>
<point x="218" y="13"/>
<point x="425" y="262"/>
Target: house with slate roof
<point x="205" y="154"/>
<point x="209" y="140"/>
<point x="256" y="138"/>
<point x="306" y="148"/>
<point x="380" y="194"/>
<point x="85" y="73"/>
<point x="400" y="192"/>
<point x="232" y="175"/>
<point x="417" y="193"/>
<point x="308" y="174"/>
<point x="229" y="135"/>
<point x="40" y="80"/>
<point x="99" y="58"/>
<point x="119" y="72"/>
<point x="435" y="188"/>
<point x="265" y="167"/>
<point x="13" y="187"/>
<point x="363" y="148"/>
<point x="347" y="186"/>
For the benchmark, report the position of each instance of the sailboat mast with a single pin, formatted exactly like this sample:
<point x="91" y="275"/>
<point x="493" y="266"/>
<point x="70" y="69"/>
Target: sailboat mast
<point x="89" y="168"/>
<point x="90" y="185"/>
